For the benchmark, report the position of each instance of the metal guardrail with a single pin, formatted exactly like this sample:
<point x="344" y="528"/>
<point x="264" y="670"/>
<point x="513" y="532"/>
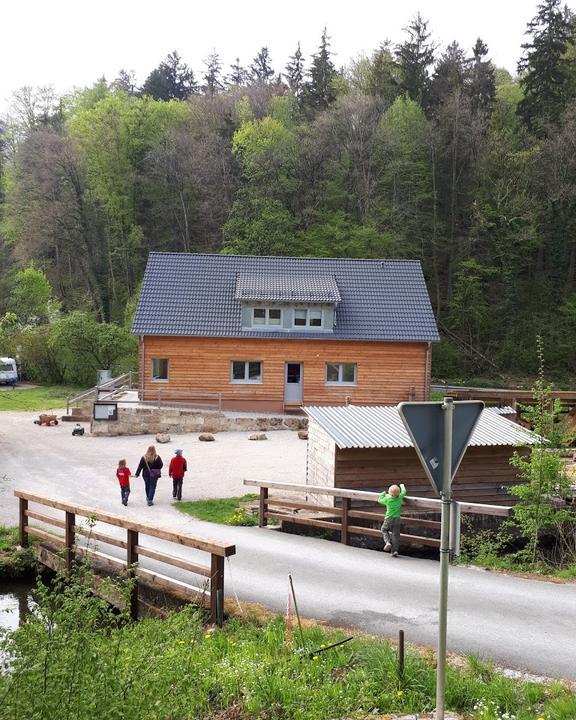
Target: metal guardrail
<point x="345" y="512"/>
<point x="214" y="572"/>
<point x="122" y="382"/>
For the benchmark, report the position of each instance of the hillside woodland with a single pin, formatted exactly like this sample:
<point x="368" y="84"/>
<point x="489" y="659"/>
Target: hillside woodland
<point x="412" y="151"/>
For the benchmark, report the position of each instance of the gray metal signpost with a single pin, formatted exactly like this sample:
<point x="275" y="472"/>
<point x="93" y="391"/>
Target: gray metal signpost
<point x="441" y="433"/>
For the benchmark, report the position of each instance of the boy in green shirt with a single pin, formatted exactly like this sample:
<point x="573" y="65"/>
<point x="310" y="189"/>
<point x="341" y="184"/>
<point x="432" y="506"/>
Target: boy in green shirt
<point x="393" y="500"/>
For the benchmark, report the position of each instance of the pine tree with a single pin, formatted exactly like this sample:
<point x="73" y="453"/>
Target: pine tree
<point x="295" y="72"/>
<point x="126" y="82"/>
<point x="212" y="82"/>
<point x="261" y="70"/>
<point x="543" y="68"/>
<point x="238" y="74"/>
<point x="319" y="91"/>
<point x="414" y="57"/>
<point x="172" y="79"/>
<point x="450" y="75"/>
<point x="482" y="83"/>
<point x="383" y="79"/>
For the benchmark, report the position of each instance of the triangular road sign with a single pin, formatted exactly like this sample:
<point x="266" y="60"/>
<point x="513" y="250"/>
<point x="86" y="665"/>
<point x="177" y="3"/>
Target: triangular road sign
<point x="424" y="422"/>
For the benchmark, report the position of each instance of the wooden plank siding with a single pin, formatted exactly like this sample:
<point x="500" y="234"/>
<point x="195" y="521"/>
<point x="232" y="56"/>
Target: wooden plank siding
<point x="387" y="373"/>
<point x="481" y="477"/>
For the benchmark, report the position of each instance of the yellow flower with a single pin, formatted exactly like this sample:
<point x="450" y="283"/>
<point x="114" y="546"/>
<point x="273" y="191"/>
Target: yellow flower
<point x="322" y="646"/>
<point x="207" y="636"/>
<point x="180" y="642"/>
<point x="315" y="657"/>
<point x="400" y="693"/>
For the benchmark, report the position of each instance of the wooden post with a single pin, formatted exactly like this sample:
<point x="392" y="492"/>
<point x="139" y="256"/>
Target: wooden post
<point x="216" y="588"/>
<point x="22" y="534"/>
<point x="401" y="656"/>
<point x="263" y="507"/>
<point x="69" y="541"/>
<point x="131" y="559"/>
<point x="344" y="521"/>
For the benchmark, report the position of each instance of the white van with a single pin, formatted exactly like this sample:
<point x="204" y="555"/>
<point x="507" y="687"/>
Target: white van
<point x="8" y="371"/>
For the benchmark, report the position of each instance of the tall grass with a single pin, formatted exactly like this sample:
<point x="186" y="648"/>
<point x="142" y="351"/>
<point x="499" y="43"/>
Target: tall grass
<point x="75" y="658"/>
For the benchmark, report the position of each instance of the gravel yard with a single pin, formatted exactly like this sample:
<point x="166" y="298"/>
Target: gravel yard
<point x="49" y="461"/>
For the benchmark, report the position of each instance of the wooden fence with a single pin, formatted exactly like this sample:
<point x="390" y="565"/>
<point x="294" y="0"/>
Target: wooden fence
<point x="214" y="572"/>
<point x="341" y="517"/>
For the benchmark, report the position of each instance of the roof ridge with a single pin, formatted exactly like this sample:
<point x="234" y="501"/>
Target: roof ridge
<point x="290" y="257"/>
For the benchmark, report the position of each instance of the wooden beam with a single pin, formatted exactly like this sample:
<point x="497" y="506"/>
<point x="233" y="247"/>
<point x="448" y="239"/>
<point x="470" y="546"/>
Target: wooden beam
<point x="173" y="560"/>
<point x="217" y="590"/>
<point x="131" y="562"/>
<point x="23" y="522"/>
<point x="344" y="521"/>
<point x="410" y="502"/>
<point x="273" y="502"/>
<point x="212" y="546"/>
<point x="30" y="530"/>
<point x="69" y="541"/>
<point x="93" y="535"/>
<point x="48" y="519"/>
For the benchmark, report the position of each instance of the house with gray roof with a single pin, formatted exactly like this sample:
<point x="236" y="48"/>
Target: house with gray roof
<point x="272" y="333"/>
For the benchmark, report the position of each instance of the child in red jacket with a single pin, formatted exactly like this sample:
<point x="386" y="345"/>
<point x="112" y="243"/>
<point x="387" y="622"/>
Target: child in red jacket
<point x="123" y="474"/>
<point x="176" y="471"/>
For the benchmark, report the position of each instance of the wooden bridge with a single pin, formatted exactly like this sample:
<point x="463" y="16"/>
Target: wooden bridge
<point x="61" y="551"/>
<point x="350" y="505"/>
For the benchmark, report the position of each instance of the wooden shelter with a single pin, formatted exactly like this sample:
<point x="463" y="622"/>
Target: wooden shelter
<point x="368" y="448"/>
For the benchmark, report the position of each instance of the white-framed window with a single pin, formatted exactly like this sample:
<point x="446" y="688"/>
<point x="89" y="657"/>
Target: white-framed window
<point x="266" y="316"/>
<point x="307" y="317"/>
<point x="246" y="371"/>
<point x="340" y="373"/>
<point x="160" y="369"/>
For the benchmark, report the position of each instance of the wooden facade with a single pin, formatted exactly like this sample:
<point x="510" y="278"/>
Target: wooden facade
<point x="483" y="476"/>
<point x="386" y="372"/>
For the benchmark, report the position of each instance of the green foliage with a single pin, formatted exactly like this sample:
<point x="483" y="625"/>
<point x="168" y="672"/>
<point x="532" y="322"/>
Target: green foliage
<point x="222" y="510"/>
<point x="31" y="298"/>
<point x="259" y="227"/>
<point x="74" y="657"/>
<point x="84" y="345"/>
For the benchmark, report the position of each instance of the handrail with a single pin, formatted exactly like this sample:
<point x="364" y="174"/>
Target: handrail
<point x="217" y="549"/>
<point x="106" y="385"/>
<point x="411" y="502"/>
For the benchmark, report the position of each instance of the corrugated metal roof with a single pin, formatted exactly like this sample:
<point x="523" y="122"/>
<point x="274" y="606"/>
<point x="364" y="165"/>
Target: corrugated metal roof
<point x="285" y="288"/>
<point x="195" y="295"/>
<point x="379" y="426"/>
<point x="506" y="410"/>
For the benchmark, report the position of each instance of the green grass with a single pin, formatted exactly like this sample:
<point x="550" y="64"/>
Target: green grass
<point x="224" y="511"/>
<point x="8" y="538"/>
<point x="74" y="658"/>
<point x="44" y="397"/>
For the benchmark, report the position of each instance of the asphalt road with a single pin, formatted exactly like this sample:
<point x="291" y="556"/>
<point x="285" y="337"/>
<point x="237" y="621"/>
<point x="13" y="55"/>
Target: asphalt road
<point x="522" y="624"/>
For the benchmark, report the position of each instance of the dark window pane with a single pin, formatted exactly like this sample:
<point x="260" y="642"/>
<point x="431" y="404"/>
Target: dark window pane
<point x="160" y="369"/>
<point x="348" y="372"/>
<point x="315" y="318"/>
<point x="293" y="373"/>
<point x="254" y="371"/>
<point x="274" y="316"/>
<point x="300" y="317"/>
<point x="238" y="370"/>
<point x="259" y="316"/>
<point x="332" y="372"/>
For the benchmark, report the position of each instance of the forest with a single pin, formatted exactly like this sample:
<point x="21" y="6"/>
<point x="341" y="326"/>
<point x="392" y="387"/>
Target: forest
<point x="411" y="151"/>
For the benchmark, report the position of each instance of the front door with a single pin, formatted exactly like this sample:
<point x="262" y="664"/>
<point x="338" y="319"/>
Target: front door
<point x="293" y="382"/>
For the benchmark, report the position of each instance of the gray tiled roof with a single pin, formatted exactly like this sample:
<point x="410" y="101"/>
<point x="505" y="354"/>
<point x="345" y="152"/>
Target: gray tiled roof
<point x="380" y="426"/>
<point x="194" y="295"/>
<point x="294" y="287"/>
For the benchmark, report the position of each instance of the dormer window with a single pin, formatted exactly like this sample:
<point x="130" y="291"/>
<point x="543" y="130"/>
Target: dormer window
<point x="266" y="316"/>
<point x="307" y="317"/>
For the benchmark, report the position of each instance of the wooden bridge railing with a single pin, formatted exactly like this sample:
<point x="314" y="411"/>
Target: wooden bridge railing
<point x="346" y="512"/>
<point x="214" y="572"/>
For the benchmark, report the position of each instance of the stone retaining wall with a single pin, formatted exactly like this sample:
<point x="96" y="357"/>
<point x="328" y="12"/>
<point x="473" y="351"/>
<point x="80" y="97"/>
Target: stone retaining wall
<point x="146" y="421"/>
